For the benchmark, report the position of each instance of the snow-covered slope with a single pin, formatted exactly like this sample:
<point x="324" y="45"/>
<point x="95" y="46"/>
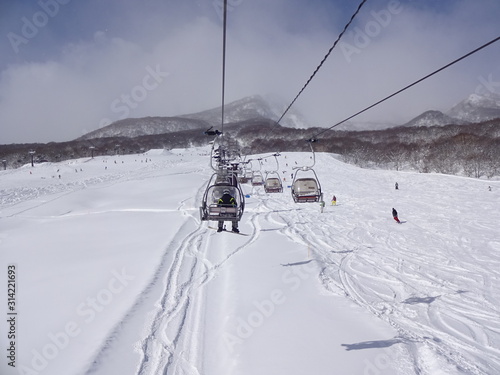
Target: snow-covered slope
<point x="116" y="274"/>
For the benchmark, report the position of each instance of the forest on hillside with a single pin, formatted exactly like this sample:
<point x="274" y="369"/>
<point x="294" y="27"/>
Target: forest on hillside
<point x="469" y="150"/>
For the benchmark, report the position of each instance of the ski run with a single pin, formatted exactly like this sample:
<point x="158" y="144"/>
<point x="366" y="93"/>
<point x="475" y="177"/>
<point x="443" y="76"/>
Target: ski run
<point x="116" y="274"/>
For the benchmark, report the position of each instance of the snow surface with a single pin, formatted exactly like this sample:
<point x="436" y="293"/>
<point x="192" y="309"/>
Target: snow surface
<point x="115" y="273"/>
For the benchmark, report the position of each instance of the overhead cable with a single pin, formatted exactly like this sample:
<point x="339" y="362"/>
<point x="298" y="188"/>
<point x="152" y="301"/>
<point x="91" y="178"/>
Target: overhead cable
<point x="223" y="65"/>
<point x="322" y="61"/>
<point x="407" y="87"/>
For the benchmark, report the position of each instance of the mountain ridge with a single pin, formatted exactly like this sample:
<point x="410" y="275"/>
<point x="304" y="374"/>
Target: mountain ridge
<point x="477" y="108"/>
<point x="434" y="118"/>
<point x="248" y="108"/>
<point x="473" y="109"/>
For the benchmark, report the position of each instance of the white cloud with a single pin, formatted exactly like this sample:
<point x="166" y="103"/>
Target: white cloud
<point x="270" y="49"/>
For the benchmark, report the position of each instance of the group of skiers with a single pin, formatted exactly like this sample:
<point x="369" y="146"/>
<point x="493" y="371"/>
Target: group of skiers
<point x="394" y="211"/>
<point x="227" y="200"/>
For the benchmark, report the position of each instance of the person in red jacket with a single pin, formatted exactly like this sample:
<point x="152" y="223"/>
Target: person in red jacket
<point x="395" y="215"/>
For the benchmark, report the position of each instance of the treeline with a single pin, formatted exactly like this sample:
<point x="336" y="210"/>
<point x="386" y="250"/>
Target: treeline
<point x="16" y="155"/>
<point x="469" y="150"/>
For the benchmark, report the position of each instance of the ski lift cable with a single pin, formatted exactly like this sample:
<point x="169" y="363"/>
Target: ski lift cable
<point x="223" y="65"/>
<point x="321" y="63"/>
<point x="314" y="137"/>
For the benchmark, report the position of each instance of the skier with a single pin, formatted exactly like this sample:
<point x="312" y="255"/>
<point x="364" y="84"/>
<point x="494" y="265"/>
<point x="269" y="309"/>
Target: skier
<point x="322" y="205"/>
<point x="334" y="200"/>
<point x="396" y="186"/>
<point x="227" y="200"/>
<point x="395" y="215"/>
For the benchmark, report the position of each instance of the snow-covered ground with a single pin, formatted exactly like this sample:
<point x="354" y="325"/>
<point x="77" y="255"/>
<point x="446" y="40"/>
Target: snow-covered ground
<point x="115" y="273"/>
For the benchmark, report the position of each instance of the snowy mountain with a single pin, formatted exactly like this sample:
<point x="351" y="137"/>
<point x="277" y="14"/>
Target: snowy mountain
<point x="252" y="107"/>
<point x="238" y="111"/>
<point x="112" y="272"/>
<point x="135" y="127"/>
<point x="477" y="108"/>
<point x="434" y="118"/>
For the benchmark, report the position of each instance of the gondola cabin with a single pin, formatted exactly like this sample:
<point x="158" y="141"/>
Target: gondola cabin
<point x="211" y="209"/>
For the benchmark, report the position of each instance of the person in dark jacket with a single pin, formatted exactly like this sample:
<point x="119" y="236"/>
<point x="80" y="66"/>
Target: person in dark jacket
<point x="395" y="215"/>
<point x="227" y="200"/>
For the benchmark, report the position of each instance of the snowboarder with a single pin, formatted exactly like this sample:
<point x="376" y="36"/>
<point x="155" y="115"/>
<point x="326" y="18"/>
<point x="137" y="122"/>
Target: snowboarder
<point x="396" y="186"/>
<point x="334" y="200"/>
<point x="227" y="200"/>
<point x="395" y="215"/>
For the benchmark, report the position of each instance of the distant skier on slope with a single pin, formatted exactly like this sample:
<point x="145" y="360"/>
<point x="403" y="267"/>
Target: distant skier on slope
<point x="395" y="215"/>
<point x="322" y="205"/>
<point x="334" y="200"/>
<point x="227" y="200"/>
<point x="396" y="186"/>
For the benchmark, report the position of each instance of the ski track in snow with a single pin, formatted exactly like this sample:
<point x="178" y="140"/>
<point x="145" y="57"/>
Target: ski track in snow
<point x="173" y="329"/>
<point x="442" y="301"/>
<point x="435" y="303"/>
<point x="171" y="345"/>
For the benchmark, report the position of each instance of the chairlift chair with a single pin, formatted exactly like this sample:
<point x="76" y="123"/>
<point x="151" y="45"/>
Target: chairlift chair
<point x="257" y="179"/>
<point x="246" y="175"/>
<point x="211" y="210"/>
<point x="273" y="183"/>
<point x="306" y="189"/>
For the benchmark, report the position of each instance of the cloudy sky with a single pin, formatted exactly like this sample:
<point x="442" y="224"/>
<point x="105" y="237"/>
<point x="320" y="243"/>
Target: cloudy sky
<point x="71" y="66"/>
